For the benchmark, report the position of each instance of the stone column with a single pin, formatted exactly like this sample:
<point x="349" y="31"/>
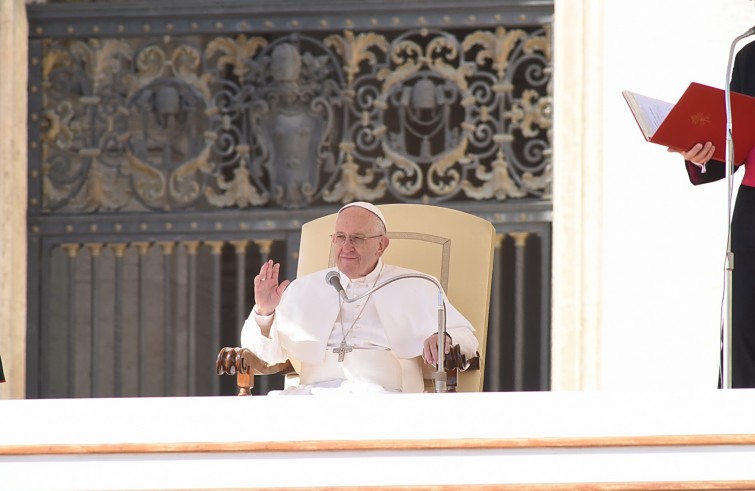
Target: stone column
<point x="577" y="303"/>
<point x="13" y="166"/>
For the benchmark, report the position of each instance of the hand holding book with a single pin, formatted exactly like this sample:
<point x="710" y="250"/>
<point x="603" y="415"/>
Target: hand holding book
<point x="699" y="117"/>
<point x="699" y="154"/>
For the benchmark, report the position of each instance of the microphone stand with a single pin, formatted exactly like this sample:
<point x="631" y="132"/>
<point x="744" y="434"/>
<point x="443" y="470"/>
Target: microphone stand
<point x="729" y="264"/>
<point x="440" y="376"/>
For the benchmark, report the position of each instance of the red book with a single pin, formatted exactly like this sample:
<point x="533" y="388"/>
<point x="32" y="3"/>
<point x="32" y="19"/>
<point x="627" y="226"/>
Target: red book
<point x="698" y="117"/>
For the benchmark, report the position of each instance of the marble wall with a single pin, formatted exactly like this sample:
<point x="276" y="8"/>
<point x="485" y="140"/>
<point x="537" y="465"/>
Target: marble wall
<point x="13" y="62"/>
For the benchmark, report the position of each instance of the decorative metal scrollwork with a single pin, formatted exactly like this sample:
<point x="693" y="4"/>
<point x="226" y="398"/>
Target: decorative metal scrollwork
<point x="197" y="123"/>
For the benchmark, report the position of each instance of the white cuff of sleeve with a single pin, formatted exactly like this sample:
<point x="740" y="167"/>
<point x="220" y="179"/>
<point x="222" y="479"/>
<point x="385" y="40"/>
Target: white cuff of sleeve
<point x="262" y="319"/>
<point x="702" y="167"/>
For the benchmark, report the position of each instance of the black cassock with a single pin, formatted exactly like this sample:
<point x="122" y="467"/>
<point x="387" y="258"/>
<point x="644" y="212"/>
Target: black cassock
<point x="742" y="240"/>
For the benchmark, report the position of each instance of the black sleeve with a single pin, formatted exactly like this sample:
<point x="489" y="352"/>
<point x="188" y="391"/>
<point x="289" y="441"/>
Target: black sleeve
<point x="742" y="81"/>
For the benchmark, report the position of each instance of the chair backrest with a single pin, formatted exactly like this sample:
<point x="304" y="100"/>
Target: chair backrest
<point x="453" y="246"/>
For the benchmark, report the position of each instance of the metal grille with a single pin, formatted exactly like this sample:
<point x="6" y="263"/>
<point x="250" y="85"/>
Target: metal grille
<point x="175" y="147"/>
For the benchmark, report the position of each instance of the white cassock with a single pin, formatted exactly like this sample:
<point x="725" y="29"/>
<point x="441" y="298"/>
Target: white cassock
<point x="385" y="330"/>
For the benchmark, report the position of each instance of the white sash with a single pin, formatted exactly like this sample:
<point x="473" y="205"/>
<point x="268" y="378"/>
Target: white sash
<point x="375" y="366"/>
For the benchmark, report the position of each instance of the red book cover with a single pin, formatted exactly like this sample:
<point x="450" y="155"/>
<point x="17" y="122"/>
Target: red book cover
<point x="698" y="117"/>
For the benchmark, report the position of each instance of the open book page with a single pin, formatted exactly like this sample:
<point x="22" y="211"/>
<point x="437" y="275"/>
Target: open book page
<point x="648" y="112"/>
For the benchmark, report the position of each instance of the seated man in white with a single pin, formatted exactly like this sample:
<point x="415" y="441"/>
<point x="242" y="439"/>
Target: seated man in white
<point x="353" y="346"/>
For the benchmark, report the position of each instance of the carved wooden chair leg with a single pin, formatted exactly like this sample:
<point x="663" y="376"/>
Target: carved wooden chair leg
<point x="456" y="362"/>
<point x="237" y="361"/>
<point x="245" y="364"/>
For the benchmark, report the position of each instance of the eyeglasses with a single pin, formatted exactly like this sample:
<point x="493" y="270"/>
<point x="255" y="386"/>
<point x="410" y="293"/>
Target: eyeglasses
<point x="355" y="239"/>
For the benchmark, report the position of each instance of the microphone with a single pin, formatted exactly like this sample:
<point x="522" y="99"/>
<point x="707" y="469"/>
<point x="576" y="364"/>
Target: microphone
<point x="334" y="280"/>
<point x="440" y="375"/>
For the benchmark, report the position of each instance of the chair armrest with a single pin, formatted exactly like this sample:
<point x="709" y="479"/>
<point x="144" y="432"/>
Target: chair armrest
<point x="456" y="362"/>
<point x="245" y="364"/>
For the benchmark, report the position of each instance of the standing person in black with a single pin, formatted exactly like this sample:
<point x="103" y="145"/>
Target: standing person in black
<point x="2" y="375"/>
<point x="701" y="169"/>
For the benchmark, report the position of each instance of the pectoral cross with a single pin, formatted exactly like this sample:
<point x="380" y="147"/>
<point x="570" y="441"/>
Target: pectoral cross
<point x="342" y="349"/>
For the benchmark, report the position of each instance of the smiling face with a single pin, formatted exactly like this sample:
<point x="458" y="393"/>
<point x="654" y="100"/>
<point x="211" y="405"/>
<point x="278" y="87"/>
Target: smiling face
<point x="356" y="261"/>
